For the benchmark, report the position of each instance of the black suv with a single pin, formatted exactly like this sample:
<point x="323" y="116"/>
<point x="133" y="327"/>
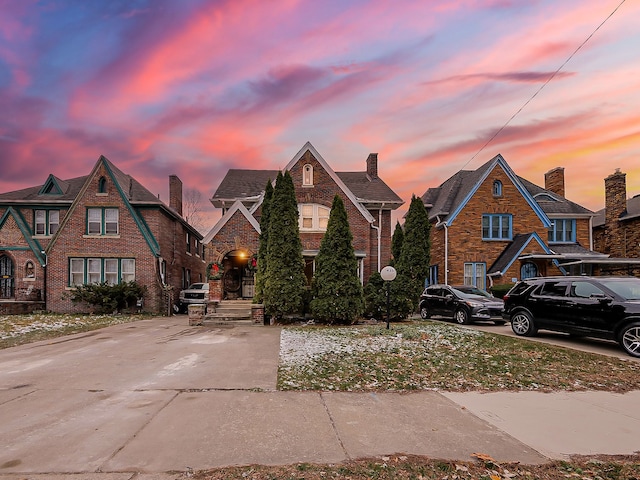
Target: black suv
<point x="463" y="303"/>
<point x="602" y="307"/>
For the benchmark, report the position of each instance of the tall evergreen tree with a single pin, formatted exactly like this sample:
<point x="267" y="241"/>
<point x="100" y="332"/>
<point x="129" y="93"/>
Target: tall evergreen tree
<point x="396" y="242"/>
<point x="285" y="282"/>
<point x="415" y="253"/>
<point x="263" y="243"/>
<point x="337" y="291"/>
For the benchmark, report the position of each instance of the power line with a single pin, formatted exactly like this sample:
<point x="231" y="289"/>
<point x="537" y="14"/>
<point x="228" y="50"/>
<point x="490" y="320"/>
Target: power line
<point x="543" y="85"/>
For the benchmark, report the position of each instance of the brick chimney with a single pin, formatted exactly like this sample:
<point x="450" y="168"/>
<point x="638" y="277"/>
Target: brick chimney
<point x="175" y="193"/>
<point x="615" y="204"/>
<point x="554" y="181"/>
<point x="372" y="165"/>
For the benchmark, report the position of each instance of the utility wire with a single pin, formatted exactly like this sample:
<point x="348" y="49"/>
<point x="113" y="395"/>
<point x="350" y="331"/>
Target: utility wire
<point x="543" y="85"/>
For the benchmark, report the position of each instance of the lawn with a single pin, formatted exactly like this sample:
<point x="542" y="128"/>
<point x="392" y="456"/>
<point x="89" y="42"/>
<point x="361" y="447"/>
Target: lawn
<point x="439" y="356"/>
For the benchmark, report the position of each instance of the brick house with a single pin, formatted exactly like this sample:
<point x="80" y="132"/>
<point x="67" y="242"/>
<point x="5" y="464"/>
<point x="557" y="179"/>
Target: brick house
<point x="233" y="241"/>
<point x="616" y="229"/>
<point x="490" y="226"/>
<point x="103" y="227"/>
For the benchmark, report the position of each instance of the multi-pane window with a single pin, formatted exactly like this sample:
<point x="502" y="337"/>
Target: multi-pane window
<point x="496" y="227"/>
<point x="84" y="271"/>
<point x="562" y="230"/>
<point x="313" y="217"/>
<point x="474" y="274"/>
<point x="46" y="222"/>
<point x="102" y="221"/>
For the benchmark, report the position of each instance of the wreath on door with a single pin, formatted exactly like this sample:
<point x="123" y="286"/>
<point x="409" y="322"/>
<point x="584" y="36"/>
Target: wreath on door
<point x="231" y="280"/>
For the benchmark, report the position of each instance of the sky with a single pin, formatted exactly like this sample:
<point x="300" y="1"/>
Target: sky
<point x="196" y="87"/>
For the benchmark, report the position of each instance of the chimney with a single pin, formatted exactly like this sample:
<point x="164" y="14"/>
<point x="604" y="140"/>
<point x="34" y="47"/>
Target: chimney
<point x="372" y="165"/>
<point x="554" y="181"/>
<point x="615" y="195"/>
<point x="175" y="193"/>
<point x="615" y="204"/>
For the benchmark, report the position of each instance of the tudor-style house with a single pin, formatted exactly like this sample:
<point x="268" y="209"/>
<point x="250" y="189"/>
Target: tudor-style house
<point x="102" y="227"/>
<point x="233" y="241"/>
<point x="490" y="226"/>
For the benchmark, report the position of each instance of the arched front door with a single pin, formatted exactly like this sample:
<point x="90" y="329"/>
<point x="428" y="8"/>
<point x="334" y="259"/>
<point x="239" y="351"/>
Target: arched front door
<point x="6" y="277"/>
<point x="238" y="279"/>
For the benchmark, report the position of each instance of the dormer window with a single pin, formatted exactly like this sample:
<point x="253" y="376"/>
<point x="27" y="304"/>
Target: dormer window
<point x="497" y="188"/>
<point x="102" y="185"/>
<point x="307" y="175"/>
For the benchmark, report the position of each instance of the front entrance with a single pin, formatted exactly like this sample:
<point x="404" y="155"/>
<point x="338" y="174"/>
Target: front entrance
<point x="6" y="277"/>
<point x="238" y="277"/>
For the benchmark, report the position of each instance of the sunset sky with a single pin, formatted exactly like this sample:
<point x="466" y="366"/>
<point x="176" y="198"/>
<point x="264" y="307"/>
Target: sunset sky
<point x="195" y="87"/>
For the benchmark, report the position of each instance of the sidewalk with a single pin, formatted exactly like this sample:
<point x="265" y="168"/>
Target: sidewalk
<point x="160" y="396"/>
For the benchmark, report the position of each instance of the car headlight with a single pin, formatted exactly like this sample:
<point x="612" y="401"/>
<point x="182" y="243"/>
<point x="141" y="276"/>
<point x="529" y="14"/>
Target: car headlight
<point x="473" y="304"/>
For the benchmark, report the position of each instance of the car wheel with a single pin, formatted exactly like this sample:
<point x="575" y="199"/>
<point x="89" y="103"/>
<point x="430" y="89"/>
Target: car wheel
<point x="630" y="339"/>
<point x="424" y="312"/>
<point x="461" y="316"/>
<point x="499" y="322"/>
<point x="522" y="324"/>
<point x="176" y="308"/>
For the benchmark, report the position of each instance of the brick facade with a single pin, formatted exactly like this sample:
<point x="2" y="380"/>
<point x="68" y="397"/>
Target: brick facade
<point x="166" y="232"/>
<point x="237" y="233"/>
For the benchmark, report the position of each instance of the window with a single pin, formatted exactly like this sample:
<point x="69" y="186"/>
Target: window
<point x="307" y="175"/>
<point x="497" y="188"/>
<point x="46" y="222"/>
<point x="313" y="217"/>
<point x="433" y="275"/>
<point x="29" y="270"/>
<point x="188" y="239"/>
<point x="113" y="271"/>
<point x="585" y="290"/>
<point x="496" y="227"/>
<point x="102" y="185"/>
<point x="102" y="221"/>
<point x="553" y="289"/>
<point x="528" y="270"/>
<point x="562" y="230"/>
<point x="474" y="274"/>
<point x="197" y="247"/>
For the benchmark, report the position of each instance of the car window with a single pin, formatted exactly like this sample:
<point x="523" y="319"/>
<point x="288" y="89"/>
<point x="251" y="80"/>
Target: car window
<point x="196" y="286"/>
<point x="553" y="289"/>
<point x="629" y="289"/>
<point x="584" y="290"/>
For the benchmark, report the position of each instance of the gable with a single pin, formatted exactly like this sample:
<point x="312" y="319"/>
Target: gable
<point x="16" y="235"/>
<point x="237" y="214"/>
<point x="117" y="185"/>
<point x="309" y="155"/>
<point x="461" y="189"/>
<point x="513" y="251"/>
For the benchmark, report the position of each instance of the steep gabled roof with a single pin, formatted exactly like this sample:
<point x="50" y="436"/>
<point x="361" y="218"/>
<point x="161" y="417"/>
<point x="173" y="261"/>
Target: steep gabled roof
<point x="236" y="207"/>
<point x="248" y="185"/>
<point x="63" y="191"/>
<point x="341" y="185"/>
<point x="128" y="190"/>
<point x="511" y="253"/>
<point x="32" y="243"/>
<point x="448" y="200"/>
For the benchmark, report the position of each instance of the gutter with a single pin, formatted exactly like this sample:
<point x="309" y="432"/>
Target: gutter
<point x="446" y="248"/>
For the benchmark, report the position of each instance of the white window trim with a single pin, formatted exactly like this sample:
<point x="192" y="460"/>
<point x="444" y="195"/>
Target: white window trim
<point x="307" y="175"/>
<point x="315" y="218"/>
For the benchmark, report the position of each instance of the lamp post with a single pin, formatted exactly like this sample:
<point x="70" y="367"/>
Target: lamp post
<point x="388" y="274"/>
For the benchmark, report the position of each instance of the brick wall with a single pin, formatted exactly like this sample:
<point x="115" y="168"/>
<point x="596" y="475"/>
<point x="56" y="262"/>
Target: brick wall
<point x="554" y="181"/>
<point x="465" y="234"/>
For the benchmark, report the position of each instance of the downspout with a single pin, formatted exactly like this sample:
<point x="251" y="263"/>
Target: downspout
<point x="591" y="233"/>
<point x="379" y="235"/>
<point x="446" y="248"/>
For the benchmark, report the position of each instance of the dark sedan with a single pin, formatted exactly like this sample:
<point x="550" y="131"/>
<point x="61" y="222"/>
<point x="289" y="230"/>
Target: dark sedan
<point x="464" y="304"/>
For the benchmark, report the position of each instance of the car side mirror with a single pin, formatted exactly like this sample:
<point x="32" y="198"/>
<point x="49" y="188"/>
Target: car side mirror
<point x="601" y="297"/>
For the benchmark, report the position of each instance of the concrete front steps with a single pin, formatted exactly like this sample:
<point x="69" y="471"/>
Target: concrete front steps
<point x="229" y="312"/>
